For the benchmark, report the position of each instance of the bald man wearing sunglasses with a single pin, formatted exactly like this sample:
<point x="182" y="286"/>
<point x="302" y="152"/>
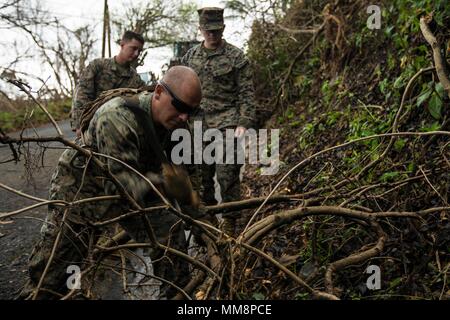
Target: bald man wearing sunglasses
<point x="136" y="131"/>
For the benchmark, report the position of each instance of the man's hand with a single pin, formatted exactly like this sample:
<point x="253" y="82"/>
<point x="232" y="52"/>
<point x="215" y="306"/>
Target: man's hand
<point x="239" y="132"/>
<point x="177" y="185"/>
<point x="78" y="132"/>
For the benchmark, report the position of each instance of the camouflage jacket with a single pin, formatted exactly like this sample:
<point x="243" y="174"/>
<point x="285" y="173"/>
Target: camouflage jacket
<point x="227" y="85"/>
<point x="113" y="131"/>
<point x="100" y="75"/>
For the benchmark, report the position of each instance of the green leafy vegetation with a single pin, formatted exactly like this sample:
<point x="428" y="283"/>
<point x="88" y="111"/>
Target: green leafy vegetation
<point x="345" y="88"/>
<point x="28" y="114"/>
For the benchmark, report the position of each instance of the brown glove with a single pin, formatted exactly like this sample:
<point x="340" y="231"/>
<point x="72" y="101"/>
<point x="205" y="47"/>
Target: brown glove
<point x="177" y="185"/>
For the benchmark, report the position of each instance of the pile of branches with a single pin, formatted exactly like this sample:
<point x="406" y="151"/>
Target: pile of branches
<point x="264" y="257"/>
<point x="217" y="277"/>
<point x="227" y="254"/>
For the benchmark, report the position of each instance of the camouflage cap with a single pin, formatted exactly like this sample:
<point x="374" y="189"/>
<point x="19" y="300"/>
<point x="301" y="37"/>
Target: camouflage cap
<point x="211" y="18"/>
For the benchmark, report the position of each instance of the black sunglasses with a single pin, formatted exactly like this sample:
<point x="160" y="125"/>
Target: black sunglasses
<point x="180" y="105"/>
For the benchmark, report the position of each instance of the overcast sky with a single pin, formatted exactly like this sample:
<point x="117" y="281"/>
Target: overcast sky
<point x="77" y="13"/>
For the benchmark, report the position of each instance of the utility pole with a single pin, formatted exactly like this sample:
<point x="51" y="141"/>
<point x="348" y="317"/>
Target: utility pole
<point x="106" y="30"/>
<point x="109" y="34"/>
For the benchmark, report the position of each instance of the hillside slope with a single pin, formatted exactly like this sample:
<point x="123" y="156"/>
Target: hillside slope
<point x="327" y="79"/>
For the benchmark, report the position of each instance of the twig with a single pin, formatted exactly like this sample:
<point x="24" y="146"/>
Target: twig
<point x="52" y="254"/>
<point x="4" y="186"/>
<point x="297" y="56"/>
<point x="11" y="147"/>
<point x="128" y="215"/>
<point x="58" y="203"/>
<point x="432" y="187"/>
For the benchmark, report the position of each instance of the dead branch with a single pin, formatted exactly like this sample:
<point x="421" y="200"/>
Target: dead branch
<point x="444" y="201"/>
<point x="50" y="259"/>
<point x="355" y="258"/>
<point x="300" y="31"/>
<point x="294" y="61"/>
<point x="57" y="203"/>
<point x="251" y="203"/>
<point x="161" y="246"/>
<point x="440" y="63"/>
<point x="276" y="220"/>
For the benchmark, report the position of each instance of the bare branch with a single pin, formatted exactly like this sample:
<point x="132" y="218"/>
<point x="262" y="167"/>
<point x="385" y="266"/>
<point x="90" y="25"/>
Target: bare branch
<point x="440" y="63"/>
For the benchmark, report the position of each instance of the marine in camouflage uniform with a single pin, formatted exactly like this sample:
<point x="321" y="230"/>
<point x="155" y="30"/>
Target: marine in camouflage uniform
<point x="115" y="131"/>
<point x="107" y="73"/>
<point x="228" y="100"/>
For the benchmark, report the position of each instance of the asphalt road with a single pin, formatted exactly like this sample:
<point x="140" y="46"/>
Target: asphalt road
<point x="30" y="175"/>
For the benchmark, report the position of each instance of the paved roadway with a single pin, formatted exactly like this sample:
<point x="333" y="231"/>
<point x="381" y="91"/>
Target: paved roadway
<point x="31" y="175"/>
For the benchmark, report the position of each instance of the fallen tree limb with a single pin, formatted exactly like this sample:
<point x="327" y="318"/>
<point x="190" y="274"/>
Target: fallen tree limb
<point x="251" y="203"/>
<point x="439" y="62"/>
<point x="258" y="229"/>
<point x="355" y="258"/>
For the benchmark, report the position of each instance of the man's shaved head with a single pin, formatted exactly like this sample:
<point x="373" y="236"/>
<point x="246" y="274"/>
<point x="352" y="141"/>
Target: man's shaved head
<point x="185" y="83"/>
<point x="176" y="97"/>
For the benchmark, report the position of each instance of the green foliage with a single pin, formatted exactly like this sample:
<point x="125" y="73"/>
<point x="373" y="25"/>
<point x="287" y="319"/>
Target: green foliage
<point x="399" y="144"/>
<point x="10" y="121"/>
<point x="425" y="94"/>
<point x="332" y="95"/>
<point x="258" y="296"/>
<point x="302" y="296"/>
<point x="432" y="95"/>
<point x="7" y="121"/>
<point x="290" y="113"/>
<point x="296" y="123"/>
<point x="435" y="126"/>
<point x="333" y="117"/>
<point x="394" y="283"/>
<point x="435" y="106"/>
<point x="389" y="176"/>
<point x="383" y="86"/>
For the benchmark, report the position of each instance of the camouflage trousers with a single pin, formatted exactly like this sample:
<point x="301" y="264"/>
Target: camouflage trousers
<point x="228" y="177"/>
<point x="76" y="244"/>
